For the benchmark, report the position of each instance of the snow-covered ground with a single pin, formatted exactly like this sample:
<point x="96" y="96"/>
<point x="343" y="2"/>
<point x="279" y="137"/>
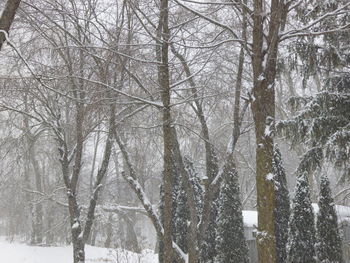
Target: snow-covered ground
<point x="21" y="253"/>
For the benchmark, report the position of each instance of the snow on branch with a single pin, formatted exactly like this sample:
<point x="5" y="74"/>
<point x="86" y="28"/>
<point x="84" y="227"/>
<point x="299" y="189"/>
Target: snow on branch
<point x="135" y="185"/>
<point x="123" y="209"/>
<point x="304" y="34"/>
<point x="152" y="103"/>
<point x="131" y="178"/>
<point x="211" y="20"/>
<point x="47" y="196"/>
<point x="31" y="70"/>
<point x="303" y="31"/>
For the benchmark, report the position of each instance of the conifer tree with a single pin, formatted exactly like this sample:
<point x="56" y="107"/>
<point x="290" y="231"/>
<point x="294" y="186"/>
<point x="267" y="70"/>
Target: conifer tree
<point x="176" y="221"/>
<point x="208" y="250"/>
<point x="196" y="183"/>
<point x="327" y="50"/>
<point x="231" y="244"/>
<point x="301" y="240"/>
<point x="322" y="122"/>
<point x="282" y="208"/>
<point x="180" y="206"/>
<point x="181" y="214"/>
<point x="161" y="216"/>
<point x="329" y="249"/>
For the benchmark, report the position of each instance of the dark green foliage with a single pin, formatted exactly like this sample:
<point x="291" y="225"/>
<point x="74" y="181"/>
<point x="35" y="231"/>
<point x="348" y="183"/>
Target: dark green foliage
<point x="322" y="124"/>
<point x="301" y="240"/>
<point x="328" y="50"/>
<point x="208" y="249"/>
<point x="282" y="206"/>
<point x="161" y="216"/>
<point x="181" y="213"/>
<point x="329" y="249"/>
<point x="196" y="183"/>
<point x="231" y="244"/>
<point x="181" y="216"/>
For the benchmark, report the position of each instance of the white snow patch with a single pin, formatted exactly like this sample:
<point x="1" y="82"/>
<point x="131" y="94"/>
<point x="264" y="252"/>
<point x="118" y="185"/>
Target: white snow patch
<point x="76" y="225"/>
<point x="250" y="218"/>
<point x="268" y="131"/>
<point x="260" y="145"/>
<point x="261" y="77"/>
<point x="269" y="176"/>
<point x="183" y="255"/>
<point x="21" y="253"/>
<point x="343" y="212"/>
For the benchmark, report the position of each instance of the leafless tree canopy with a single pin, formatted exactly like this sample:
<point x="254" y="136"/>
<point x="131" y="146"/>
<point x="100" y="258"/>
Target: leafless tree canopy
<point x="105" y="102"/>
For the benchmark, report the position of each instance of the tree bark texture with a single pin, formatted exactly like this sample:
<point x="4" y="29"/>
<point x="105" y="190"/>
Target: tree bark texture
<point x="264" y="57"/>
<point x="37" y="207"/>
<point x="168" y="158"/>
<point x="7" y="18"/>
<point x="80" y="233"/>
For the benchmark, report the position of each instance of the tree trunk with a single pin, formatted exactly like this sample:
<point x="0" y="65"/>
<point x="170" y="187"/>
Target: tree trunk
<point x="7" y="18"/>
<point x="29" y="202"/>
<point x="164" y="82"/>
<point x="78" y="250"/>
<point x="76" y="229"/>
<point x="93" y="234"/>
<point x="264" y="57"/>
<point x="38" y="207"/>
<point x="50" y="221"/>
<point x="263" y="110"/>
<point x="109" y="230"/>
<point x="74" y="210"/>
<point x="131" y="236"/>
